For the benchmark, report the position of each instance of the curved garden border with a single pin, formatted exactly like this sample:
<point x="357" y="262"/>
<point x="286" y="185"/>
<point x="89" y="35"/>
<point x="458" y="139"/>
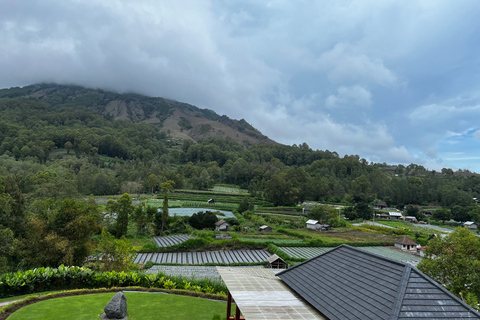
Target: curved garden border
<point x="7" y="310"/>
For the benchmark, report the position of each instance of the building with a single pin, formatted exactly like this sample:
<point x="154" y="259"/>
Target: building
<point x="380" y="206"/>
<point x="265" y="228"/>
<point x="221" y="225"/>
<point x="394" y="215"/>
<point x="345" y="283"/>
<point x="312" y="224"/>
<point x="411" y="219"/>
<point x="471" y="225"/>
<point x="275" y="262"/>
<point x="406" y="244"/>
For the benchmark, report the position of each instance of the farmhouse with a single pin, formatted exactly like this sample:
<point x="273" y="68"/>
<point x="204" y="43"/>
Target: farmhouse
<point x="471" y="225"/>
<point x="406" y="244"/>
<point x="312" y="224"/>
<point x="380" y="206"/>
<point x="221" y="225"/>
<point x="394" y="215"/>
<point x="265" y="228"/>
<point x="411" y="219"/>
<point x="342" y="284"/>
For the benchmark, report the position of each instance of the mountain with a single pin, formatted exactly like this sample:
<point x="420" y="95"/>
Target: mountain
<point x="179" y="120"/>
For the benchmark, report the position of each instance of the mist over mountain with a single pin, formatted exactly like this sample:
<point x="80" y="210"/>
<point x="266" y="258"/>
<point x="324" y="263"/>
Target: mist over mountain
<point x="179" y="120"/>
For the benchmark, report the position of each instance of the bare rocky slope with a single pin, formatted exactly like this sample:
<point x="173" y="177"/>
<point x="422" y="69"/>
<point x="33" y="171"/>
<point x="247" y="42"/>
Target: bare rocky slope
<point x="180" y="120"/>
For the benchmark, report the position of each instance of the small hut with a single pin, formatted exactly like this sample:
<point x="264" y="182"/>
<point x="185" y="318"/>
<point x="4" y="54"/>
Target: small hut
<point x="312" y="224"/>
<point x="221" y="225"/>
<point x="275" y="262"/>
<point x="471" y="225"/>
<point x="406" y="244"/>
<point x="265" y="228"/>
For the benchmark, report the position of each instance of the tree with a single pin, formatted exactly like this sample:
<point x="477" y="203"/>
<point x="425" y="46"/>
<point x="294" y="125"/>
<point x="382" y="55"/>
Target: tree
<point x="113" y="254"/>
<point x="124" y="208"/>
<point x="414" y="212"/>
<point x="152" y="181"/>
<point x="245" y="205"/>
<point x="442" y="214"/>
<point x="460" y="213"/>
<point x="166" y="187"/>
<point x="68" y="145"/>
<point x="454" y="261"/>
<point x="321" y="213"/>
<point x="203" y="220"/>
<point x="350" y="213"/>
<point x="363" y="211"/>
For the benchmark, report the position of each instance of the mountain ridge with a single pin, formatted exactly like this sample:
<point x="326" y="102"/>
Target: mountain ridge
<point x="180" y="120"/>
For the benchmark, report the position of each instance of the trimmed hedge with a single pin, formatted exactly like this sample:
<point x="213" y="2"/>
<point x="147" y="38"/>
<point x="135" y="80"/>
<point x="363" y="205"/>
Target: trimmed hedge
<point x="67" y="278"/>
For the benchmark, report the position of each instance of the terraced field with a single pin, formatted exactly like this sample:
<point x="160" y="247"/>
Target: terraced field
<point x="311" y="252"/>
<point x="171" y="240"/>
<point x="192" y="258"/>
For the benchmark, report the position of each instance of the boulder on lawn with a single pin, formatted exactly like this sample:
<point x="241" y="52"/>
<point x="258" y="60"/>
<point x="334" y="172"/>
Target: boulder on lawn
<point x="116" y="308"/>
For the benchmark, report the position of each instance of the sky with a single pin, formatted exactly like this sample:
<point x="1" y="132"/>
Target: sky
<point x="391" y="81"/>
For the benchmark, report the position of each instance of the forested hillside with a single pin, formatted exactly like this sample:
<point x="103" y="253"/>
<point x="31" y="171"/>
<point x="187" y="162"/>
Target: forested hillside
<point x="180" y="120"/>
<point x="71" y="150"/>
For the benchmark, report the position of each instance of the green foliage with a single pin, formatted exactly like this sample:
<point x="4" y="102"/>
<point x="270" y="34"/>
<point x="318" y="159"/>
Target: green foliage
<point x="59" y="232"/>
<point x="123" y="208"/>
<point x="63" y="278"/>
<point x="113" y="254"/>
<point x="322" y="213"/>
<point x="203" y="220"/>
<point x="454" y="261"/>
<point x="245" y="205"/>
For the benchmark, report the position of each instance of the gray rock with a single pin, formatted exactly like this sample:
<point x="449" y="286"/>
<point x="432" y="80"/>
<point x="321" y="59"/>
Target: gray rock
<point x="116" y="308"/>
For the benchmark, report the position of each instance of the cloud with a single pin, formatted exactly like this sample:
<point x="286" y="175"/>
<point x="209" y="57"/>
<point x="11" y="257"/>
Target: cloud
<point x="388" y="80"/>
<point x="349" y="97"/>
<point x="343" y="64"/>
<point x="476" y="134"/>
<point x="320" y="131"/>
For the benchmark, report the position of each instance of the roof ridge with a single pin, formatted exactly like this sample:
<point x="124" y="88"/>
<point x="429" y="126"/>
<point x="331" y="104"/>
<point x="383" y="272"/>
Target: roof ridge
<point x="442" y="288"/>
<point x="402" y="287"/>
<point x="348" y="247"/>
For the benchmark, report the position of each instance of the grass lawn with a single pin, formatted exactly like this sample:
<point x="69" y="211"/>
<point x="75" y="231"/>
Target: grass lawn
<point x="141" y="306"/>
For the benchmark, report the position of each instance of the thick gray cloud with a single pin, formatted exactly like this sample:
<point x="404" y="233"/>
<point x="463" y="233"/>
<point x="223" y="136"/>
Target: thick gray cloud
<point x="392" y="81"/>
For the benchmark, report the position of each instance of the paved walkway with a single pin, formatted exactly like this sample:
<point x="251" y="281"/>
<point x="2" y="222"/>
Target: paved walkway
<point x="6" y="303"/>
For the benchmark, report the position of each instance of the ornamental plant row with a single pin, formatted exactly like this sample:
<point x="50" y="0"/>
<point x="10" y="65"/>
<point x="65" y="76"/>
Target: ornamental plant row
<point x="67" y="278"/>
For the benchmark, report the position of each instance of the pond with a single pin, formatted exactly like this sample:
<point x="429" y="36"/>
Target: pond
<point x="190" y="211"/>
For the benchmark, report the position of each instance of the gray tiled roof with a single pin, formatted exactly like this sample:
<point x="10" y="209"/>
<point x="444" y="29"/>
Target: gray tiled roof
<point x="350" y="283"/>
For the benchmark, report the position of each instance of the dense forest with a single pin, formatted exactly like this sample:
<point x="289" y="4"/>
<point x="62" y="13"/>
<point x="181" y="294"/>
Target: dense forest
<point x="51" y="159"/>
<point x="72" y="151"/>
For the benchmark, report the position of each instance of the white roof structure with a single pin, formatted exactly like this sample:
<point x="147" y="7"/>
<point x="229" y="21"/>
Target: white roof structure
<point x="410" y="217"/>
<point x="312" y="221"/>
<point x="395" y="214"/>
<point x="260" y="295"/>
<point x="469" y="223"/>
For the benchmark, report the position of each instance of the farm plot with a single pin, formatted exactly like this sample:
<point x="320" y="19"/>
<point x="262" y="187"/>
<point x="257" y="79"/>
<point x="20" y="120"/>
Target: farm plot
<point x="192" y="258"/>
<point x="171" y="240"/>
<point x="311" y="252"/>
<point x="196" y="272"/>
